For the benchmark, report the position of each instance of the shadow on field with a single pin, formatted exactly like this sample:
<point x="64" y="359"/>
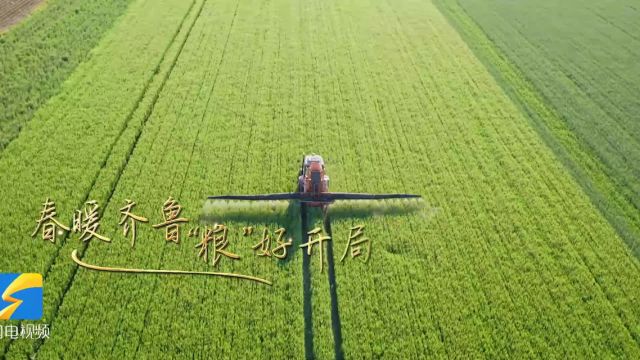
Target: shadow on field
<point x="259" y="214"/>
<point x="287" y="213"/>
<point x="298" y="219"/>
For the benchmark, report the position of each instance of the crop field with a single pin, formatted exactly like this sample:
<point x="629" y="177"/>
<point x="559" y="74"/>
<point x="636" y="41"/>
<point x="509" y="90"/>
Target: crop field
<point x="576" y="74"/>
<point x="524" y="149"/>
<point x="13" y="10"/>
<point x="39" y="55"/>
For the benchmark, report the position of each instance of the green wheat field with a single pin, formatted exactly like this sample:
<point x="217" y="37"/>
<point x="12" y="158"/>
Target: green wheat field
<point x="517" y="121"/>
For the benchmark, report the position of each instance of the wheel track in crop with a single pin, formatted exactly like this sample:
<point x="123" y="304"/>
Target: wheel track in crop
<point x="362" y="88"/>
<point x="622" y="130"/>
<point x="387" y="139"/>
<point x="166" y="145"/>
<point x="17" y="13"/>
<point x="117" y="154"/>
<point x="140" y="169"/>
<point x="251" y="116"/>
<point x="333" y="292"/>
<point x="213" y="86"/>
<point x="578" y="157"/>
<point x="31" y="48"/>
<point x="550" y="187"/>
<point x="308" y="292"/>
<point x="159" y="120"/>
<point x="132" y="147"/>
<point x="554" y="145"/>
<point x="156" y="137"/>
<point x="378" y="156"/>
<point x="134" y="143"/>
<point x="307" y="310"/>
<point x="613" y="24"/>
<point x="101" y="173"/>
<point x="336" y="326"/>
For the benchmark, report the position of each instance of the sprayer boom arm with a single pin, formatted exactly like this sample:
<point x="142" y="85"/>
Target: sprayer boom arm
<point x="322" y="197"/>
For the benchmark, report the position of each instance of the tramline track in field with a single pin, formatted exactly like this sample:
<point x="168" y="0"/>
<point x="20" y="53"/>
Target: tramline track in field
<point x="13" y="11"/>
<point x="306" y="283"/>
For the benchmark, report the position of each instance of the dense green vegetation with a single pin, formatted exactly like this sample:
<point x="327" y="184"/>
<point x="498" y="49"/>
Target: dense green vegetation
<point x="506" y="256"/>
<point x="572" y="67"/>
<point x="40" y="53"/>
<point x="75" y="147"/>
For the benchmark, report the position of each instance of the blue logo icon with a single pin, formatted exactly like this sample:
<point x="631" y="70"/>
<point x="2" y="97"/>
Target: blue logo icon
<point x="21" y="296"/>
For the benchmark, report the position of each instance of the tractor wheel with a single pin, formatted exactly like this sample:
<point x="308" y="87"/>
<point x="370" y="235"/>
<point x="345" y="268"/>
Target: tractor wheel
<point x="300" y="184"/>
<point x="301" y="166"/>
